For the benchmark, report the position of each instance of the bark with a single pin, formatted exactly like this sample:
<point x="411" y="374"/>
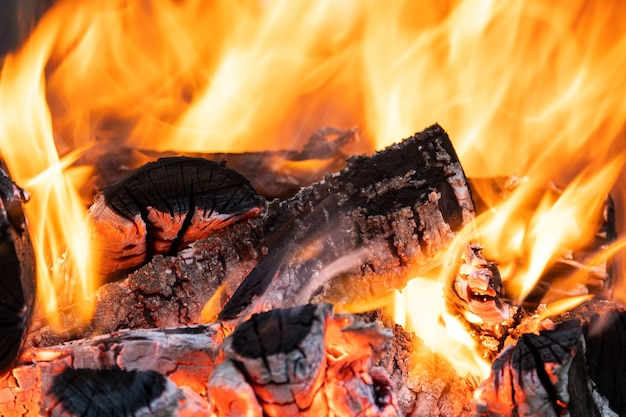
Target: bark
<point x="575" y="363"/>
<point x="17" y="276"/>
<point x="372" y="226"/>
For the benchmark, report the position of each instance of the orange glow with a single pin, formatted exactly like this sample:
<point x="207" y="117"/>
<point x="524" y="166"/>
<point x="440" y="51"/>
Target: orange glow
<point x="530" y="88"/>
<point x="420" y="308"/>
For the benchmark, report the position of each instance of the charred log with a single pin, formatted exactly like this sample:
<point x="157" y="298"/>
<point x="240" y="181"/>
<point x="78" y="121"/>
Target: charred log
<point x="171" y="291"/>
<point x="576" y="365"/>
<point x="425" y="384"/>
<point x="371" y="232"/>
<point x="371" y="226"/>
<point x="17" y="277"/>
<point x="183" y="358"/>
<point x="165" y="205"/>
<point x="302" y="361"/>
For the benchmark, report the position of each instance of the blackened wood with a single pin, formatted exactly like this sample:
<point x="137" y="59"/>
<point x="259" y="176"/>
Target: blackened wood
<point x="17" y="272"/>
<point x="274" y="174"/>
<point x="379" y="221"/>
<point x="165" y="205"/>
<point x="105" y="392"/>
<point x="542" y="375"/>
<point x="322" y="369"/>
<point x="604" y="330"/>
<point x="276" y="331"/>
<point x="605" y="336"/>
<point x="592" y="386"/>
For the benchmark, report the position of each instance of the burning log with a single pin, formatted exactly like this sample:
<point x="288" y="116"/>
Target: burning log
<point x="275" y="365"/>
<point x="578" y="366"/>
<point x="371" y="231"/>
<point x="163" y="206"/>
<point x="17" y="263"/>
<point x="475" y="292"/>
<point x="372" y="226"/>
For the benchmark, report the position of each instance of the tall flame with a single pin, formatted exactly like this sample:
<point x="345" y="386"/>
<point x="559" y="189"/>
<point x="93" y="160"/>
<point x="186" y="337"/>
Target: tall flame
<point x="56" y="214"/>
<point x="529" y="88"/>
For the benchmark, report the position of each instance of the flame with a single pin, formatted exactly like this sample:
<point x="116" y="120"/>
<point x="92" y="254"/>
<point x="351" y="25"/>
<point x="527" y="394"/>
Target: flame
<point x="55" y="214"/>
<point x="526" y="88"/>
<point x="420" y="308"/>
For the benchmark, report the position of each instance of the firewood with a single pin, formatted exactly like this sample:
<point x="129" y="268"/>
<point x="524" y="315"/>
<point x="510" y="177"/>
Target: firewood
<point x="165" y="205"/>
<point x="577" y="365"/>
<point x="372" y="232"/>
<point x="604" y="330"/>
<point x="17" y="276"/>
<point x="370" y="227"/>
<point x="115" y="392"/>
<point x="172" y="291"/>
<point x="274" y="174"/>
<point x="425" y="383"/>
<point x="302" y="361"/>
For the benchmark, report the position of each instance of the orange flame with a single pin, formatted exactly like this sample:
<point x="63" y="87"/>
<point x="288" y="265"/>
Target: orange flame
<point x="527" y="87"/>
<point x="55" y="213"/>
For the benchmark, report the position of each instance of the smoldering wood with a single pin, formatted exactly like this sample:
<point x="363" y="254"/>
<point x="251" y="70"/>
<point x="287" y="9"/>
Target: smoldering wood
<point x="110" y="392"/>
<point x="185" y="357"/>
<point x="274" y="174"/>
<point x="170" y="291"/>
<point x="355" y="356"/>
<point x="371" y="232"/>
<point x="425" y="384"/>
<point x="302" y="361"/>
<point x="17" y="279"/>
<point x="604" y="330"/>
<point x="373" y="225"/>
<point x="164" y="206"/>
<point x="574" y="362"/>
<point x="534" y="376"/>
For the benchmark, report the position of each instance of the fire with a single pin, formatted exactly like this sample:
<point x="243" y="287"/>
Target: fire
<point x="524" y="88"/>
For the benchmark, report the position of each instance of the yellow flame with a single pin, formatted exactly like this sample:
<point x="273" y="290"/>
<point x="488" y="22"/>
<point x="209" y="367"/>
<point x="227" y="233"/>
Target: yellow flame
<point x="55" y="213"/>
<point x="420" y="308"/>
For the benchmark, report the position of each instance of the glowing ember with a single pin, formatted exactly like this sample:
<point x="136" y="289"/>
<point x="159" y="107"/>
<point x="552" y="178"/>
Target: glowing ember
<point x="524" y="88"/>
